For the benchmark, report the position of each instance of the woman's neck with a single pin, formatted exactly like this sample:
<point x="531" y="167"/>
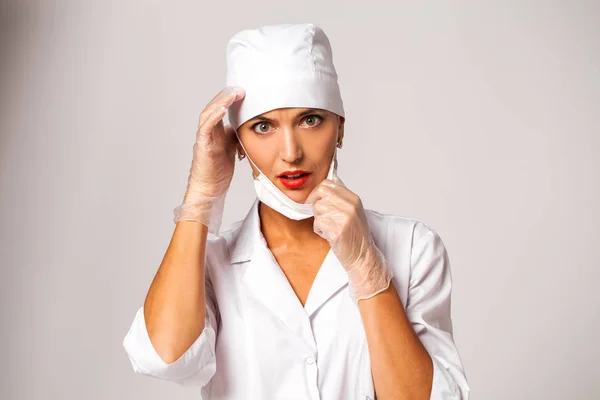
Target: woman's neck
<point x="278" y="229"/>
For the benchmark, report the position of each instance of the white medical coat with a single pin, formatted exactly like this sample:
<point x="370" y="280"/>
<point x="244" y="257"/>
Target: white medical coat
<point x="259" y="342"/>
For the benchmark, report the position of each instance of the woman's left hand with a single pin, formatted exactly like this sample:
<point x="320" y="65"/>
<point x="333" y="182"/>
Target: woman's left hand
<point x="340" y="219"/>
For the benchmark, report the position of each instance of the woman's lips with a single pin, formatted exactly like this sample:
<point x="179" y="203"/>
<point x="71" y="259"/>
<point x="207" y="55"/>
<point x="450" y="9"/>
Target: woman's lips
<point x="294" y="183"/>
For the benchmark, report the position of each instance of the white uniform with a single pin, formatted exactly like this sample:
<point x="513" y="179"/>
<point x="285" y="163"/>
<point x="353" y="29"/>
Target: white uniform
<point x="260" y="343"/>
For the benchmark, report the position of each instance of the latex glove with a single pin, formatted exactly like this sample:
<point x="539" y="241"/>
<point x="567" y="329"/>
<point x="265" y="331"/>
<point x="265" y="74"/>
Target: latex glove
<point x="340" y="219"/>
<point x="212" y="164"/>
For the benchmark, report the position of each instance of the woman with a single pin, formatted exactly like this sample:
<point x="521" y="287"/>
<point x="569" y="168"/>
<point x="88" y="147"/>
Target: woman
<point x="310" y="296"/>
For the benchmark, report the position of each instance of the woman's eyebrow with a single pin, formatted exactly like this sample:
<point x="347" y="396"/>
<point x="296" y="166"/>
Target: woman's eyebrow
<point x="261" y="118"/>
<point x="301" y="114"/>
<point x="309" y="111"/>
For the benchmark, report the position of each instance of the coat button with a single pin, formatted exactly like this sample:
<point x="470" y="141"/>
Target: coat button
<point x="309" y="360"/>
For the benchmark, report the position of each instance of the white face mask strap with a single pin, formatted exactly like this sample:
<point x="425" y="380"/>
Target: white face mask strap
<point x="335" y="164"/>
<point x="247" y="156"/>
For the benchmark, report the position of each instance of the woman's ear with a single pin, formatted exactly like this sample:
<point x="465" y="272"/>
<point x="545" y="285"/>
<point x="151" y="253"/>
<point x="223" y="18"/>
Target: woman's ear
<point x="240" y="151"/>
<point x="341" y="120"/>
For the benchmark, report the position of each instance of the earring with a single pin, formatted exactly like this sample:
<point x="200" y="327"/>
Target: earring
<point x="339" y="144"/>
<point x="241" y="156"/>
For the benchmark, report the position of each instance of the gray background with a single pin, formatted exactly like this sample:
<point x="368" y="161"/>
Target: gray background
<point x="480" y="118"/>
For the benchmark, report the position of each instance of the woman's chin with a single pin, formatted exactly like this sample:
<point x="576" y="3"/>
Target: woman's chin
<point x="298" y="197"/>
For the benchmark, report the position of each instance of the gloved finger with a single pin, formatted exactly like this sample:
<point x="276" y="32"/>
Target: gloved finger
<point x="324" y="206"/>
<point x="230" y="138"/>
<point x="229" y="96"/>
<point x="220" y="94"/>
<point x="318" y="228"/>
<point x="225" y="98"/>
<point x="344" y="198"/>
<point x="333" y="211"/>
<point x="324" y="228"/>
<point x="322" y="190"/>
<point x="335" y="184"/>
<point x="212" y="120"/>
<point x="333" y="198"/>
<point x="341" y="190"/>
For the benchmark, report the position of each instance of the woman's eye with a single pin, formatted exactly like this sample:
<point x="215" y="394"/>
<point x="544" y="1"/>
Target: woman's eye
<point x="261" y="127"/>
<point x="312" y="120"/>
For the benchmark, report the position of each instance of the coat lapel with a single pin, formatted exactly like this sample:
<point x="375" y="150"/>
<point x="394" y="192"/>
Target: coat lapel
<point x="266" y="282"/>
<point x="329" y="280"/>
<point x="264" y="279"/>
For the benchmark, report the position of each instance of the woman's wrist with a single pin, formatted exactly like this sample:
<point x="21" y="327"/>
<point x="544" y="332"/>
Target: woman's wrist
<point x="205" y="210"/>
<point x="369" y="276"/>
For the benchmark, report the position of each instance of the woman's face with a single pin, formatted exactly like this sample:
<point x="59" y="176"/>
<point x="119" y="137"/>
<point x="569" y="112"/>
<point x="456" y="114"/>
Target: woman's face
<point x="287" y="140"/>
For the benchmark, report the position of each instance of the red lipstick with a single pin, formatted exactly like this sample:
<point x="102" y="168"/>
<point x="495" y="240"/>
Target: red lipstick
<point x="294" y="179"/>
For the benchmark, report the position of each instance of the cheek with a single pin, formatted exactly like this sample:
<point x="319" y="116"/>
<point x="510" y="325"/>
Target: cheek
<point x="260" y="150"/>
<point x="261" y="156"/>
<point x="327" y="138"/>
<point x="326" y="147"/>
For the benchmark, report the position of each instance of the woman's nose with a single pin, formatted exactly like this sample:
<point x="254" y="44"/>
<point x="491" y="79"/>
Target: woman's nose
<point x="290" y="150"/>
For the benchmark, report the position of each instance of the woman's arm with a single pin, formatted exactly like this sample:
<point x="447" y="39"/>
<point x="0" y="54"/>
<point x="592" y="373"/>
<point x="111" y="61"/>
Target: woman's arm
<point x="173" y="336"/>
<point x="400" y="364"/>
<point x="175" y="306"/>
<point x="413" y="354"/>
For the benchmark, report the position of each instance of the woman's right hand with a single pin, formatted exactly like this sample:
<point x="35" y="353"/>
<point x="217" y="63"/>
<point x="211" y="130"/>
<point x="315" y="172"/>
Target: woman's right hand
<point x="212" y="164"/>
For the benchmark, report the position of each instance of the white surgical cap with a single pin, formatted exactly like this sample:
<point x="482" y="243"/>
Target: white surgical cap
<point x="286" y="65"/>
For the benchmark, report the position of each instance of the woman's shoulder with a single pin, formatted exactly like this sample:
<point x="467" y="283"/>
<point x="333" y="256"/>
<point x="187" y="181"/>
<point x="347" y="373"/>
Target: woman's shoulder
<point x="228" y="245"/>
<point x="412" y="243"/>
<point x="225" y="237"/>
<point x="398" y="227"/>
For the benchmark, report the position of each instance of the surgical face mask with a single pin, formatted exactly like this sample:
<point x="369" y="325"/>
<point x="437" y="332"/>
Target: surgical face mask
<point x="268" y="193"/>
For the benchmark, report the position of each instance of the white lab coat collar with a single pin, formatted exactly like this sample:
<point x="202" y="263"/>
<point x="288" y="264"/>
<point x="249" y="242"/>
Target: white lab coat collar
<point x="267" y="282"/>
<point x="247" y="235"/>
